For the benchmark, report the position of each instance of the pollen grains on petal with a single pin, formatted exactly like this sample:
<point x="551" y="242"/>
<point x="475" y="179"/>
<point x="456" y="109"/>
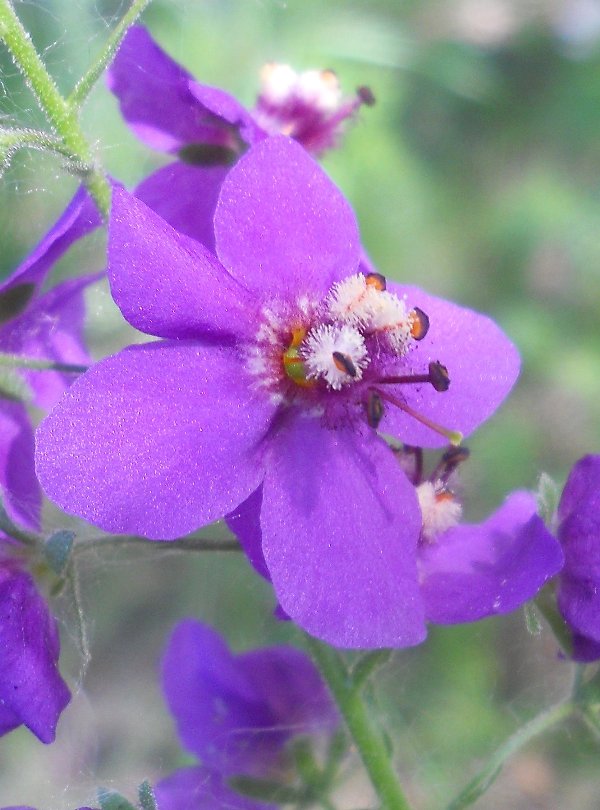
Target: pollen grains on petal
<point x="334" y="353"/>
<point x="439" y="509"/>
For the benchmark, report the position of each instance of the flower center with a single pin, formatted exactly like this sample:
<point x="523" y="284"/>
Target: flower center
<point x="345" y="350"/>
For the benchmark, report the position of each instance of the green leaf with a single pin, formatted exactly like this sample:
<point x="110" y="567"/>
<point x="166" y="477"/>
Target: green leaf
<point x="548" y="496"/>
<point x="111" y="800"/>
<point x="146" y="796"/>
<point x="57" y="550"/>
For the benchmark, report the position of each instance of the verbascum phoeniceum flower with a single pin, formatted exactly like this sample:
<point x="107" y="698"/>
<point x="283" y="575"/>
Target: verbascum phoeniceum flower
<point x="206" y="129"/>
<point x="279" y="366"/>
<point x="238" y="714"/>
<point x="35" y="325"/>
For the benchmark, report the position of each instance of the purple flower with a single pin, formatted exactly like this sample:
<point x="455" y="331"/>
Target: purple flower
<point x="46" y="325"/>
<point x="279" y="361"/>
<point x="170" y="111"/>
<point x="32" y="692"/>
<point x="236" y="713"/>
<point x="466" y="571"/>
<point x="579" y="534"/>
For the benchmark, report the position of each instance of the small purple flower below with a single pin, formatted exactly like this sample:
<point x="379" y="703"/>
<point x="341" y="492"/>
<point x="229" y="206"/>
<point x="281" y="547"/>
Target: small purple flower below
<point x="237" y="714"/>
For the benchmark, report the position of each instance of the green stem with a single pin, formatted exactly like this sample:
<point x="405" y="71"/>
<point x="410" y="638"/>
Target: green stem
<point x="368" y="740"/>
<point x="16" y="361"/>
<point x="180" y="544"/>
<point x="59" y="112"/>
<point x="89" y="79"/>
<point x="13" y="139"/>
<point x="486" y="776"/>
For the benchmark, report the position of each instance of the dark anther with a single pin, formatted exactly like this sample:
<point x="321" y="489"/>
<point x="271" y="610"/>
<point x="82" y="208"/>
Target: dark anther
<point x="448" y="463"/>
<point x="344" y="363"/>
<point x="374" y="409"/>
<point x="438" y="376"/>
<point x="376" y="280"/>
<point x="366" y="95"/>
<point x="419" y="323"/>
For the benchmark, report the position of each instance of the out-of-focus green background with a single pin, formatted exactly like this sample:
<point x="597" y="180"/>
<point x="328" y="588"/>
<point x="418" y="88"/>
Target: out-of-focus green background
<point x="477" y="176"/>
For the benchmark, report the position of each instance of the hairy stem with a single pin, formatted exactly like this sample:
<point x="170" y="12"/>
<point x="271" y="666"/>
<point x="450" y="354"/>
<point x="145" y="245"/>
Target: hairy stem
<point x="89" y="79"/>
<point x="61" y="115"/>
<point x="480" y="783"/>
<point x="180" y="544"/>
<point x="367" y="738"/>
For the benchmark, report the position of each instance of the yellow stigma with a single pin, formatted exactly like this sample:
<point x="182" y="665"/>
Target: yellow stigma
<point x="293" y="364"/>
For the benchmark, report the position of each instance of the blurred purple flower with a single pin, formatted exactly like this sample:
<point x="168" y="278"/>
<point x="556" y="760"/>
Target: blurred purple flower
<point x="579" y="534"/>
<point x="170" y="111"/>
<point x="279" y="360"/>
<point x="236" y="713"/>
<point x="32" y="692"/>
<point x="47" y="325"/>
<point x="40" y="325"/>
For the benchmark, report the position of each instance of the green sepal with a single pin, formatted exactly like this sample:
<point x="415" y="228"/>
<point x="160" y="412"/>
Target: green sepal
<point x="111" y="800"/>
<point x="547" y="497"/>
<point x="13" y="386"/>
<point x="532" y="619"/>
<point x="147" y="799"/>
<point x="57" y="549"/>
<point x="264" y="790"/>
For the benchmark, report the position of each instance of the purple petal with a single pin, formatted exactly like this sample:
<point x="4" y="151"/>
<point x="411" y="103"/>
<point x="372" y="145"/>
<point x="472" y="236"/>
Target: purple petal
<point x="200" y="789"/>
<point x="155" y="98"/>
<point x="30" y="685"/>
<point x="167" y="284"/>
<point x="585" y="650"/>
<point x="340" y="524"/>
<point x="472" y="571"/>
<point x="482" y="363"/>
<point x="79" y="218"/>
<point x="244" y="522"/>
<point x="157" y="440"/>
<point x="292" y="687"/>
<point x="51" y="328"/>
<point x="237" y="712"/>
<point x="579" y="514"/>
<point x="185" y="197"/>
<point x="227" y="108"/>
<point x="281" y="226"/>
<point x="21" y="495"/>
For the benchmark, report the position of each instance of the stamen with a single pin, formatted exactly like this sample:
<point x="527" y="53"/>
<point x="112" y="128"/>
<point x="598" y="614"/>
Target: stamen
<point x="453" y="436"/>
<point x="366" y="95"/>
<point x="374" y="408"/>
<point x="376" y="280"/>
<point x="419" y="323"/>
<point x="344" y="363"/>
<point x="438" y="377"/>
<point x="449" y="463"/>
